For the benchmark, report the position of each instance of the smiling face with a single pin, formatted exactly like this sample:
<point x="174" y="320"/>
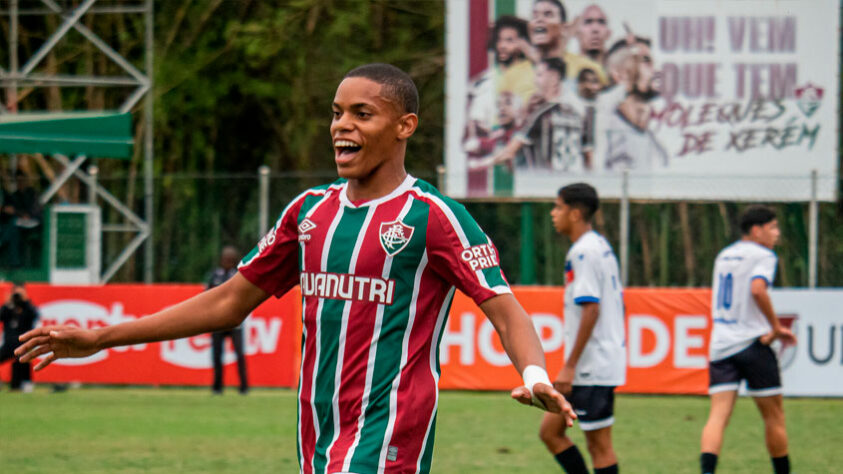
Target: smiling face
<point x="369" y="130"/>
<point x="506" y="46"/>
<point x="546" y="24"/>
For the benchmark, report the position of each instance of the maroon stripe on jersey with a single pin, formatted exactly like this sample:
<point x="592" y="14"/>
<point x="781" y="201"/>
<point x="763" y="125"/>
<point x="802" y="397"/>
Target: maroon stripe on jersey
<point x="278" y="254"/>
<point x="307" y="422"/>
<point x="414" y="402"/>
<point x="370" y="261"/>
<point x="313" y="259"/>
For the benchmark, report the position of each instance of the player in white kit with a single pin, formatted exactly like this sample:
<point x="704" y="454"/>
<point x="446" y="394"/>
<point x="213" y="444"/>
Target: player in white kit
<point x="744" y="324"/>
<point x="595" y="344"/>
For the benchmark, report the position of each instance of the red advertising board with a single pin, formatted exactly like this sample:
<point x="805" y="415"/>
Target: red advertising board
<point x="667" y="337"/>
<point x="271" y="343"/>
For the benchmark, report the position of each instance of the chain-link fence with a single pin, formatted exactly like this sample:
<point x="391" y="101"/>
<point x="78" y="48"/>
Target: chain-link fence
<point x="670" y="243"/>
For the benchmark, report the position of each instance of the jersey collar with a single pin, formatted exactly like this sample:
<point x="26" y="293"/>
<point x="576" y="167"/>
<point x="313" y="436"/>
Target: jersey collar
<point x="402" y="188"/>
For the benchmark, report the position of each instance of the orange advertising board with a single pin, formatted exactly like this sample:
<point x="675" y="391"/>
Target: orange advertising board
<point x="667" y="338"/>
<point x="667" y="341"/>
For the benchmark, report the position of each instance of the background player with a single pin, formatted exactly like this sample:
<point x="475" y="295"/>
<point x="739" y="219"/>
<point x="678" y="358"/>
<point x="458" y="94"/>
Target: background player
<point x="595" y="346"/>
<point x="744" y="325"/>
<point x="379" y="248"/>
<point x="227" y="269"/>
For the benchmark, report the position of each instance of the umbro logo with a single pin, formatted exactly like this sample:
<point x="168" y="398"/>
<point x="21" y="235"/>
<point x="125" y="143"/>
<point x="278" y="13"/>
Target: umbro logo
<point x="306" y="226"/>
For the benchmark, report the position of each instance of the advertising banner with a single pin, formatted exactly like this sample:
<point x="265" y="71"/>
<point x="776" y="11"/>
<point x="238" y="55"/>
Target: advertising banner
<point x="697" y="99"/>
<point x="271" y="338"/>
<point x="667" y="340"/>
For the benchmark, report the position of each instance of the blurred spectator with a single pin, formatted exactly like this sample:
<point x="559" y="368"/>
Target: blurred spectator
<point x="25" y="201"/>
<point x="9" y="232"/>
<point x="550" y="33"/>
<point x="629" y="144"/>
<point x="552" y="136"/>
<point x="510" y="72"/>
<point x="18" y="316"/>
<point x="20" y="212"/>
<point x="226" y="270"/>
<point x="592" y="33"/>
<point x="588" y="86"/>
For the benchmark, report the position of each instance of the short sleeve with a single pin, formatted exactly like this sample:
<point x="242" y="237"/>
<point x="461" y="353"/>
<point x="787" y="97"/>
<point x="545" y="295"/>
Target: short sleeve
<point x="273" y="264"/>
<point x="765" y="268"/>
<point x="462" y="254"/>
<point x="586" y="284"/>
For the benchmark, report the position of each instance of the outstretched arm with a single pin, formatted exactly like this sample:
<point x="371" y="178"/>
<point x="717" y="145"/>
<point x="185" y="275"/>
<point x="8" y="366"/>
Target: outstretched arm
<point x="523" y="347"/>
<point x="222" y="307"/>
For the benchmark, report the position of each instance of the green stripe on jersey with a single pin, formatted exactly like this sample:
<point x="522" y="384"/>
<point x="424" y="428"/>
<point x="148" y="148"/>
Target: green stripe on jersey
<point x="473" y="233"/>
<point x="390" y="339"/>
<point x="427" y="455"/>
<point x="342" y="244"/>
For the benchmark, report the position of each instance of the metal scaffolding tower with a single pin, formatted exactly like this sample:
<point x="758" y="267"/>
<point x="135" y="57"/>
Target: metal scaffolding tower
<point x="15" y="76"/>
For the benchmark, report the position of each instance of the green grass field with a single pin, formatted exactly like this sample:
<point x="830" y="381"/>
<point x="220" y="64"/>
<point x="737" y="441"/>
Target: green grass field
<point x="188" y="430"/>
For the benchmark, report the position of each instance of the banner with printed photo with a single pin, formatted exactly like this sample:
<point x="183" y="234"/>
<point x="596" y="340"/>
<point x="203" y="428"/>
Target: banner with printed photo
<point x="697" y="99"/>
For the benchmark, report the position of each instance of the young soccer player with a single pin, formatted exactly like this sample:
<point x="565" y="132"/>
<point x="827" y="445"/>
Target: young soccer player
<point x="378" y="255"/>
<point x="595" y="345"/>
<point x="744" y="324"/>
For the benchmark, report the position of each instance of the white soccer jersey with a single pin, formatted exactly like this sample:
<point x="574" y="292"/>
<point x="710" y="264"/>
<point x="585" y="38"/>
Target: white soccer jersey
<point x="591" y="276"/>
<point x="737" y="320"/>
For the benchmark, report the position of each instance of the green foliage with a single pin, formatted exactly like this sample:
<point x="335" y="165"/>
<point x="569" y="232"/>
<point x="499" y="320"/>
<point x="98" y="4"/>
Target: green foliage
<point x="240" y="84"/>
<point x="243" y="84"/>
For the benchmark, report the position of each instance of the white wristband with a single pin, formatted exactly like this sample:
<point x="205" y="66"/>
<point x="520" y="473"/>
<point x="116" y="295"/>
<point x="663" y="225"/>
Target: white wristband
<point x="534" y="374"/>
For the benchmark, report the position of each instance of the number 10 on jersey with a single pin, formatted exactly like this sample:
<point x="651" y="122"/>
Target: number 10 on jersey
<point x="724" y="291"/>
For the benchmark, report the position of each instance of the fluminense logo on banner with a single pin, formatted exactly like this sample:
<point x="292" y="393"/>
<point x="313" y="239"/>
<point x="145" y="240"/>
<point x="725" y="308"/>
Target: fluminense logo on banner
<point x="787" y="352"/>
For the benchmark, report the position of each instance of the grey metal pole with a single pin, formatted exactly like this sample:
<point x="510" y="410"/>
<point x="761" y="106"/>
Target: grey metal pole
<point x="625" y="228"/>
<point x="12" y="93"/>
<point x="93" y="172"/>
<point x="149" y="256"/>
<point x="441" y="176"/>
<point x="263" y="205"/>
<point x="813" y="232"/>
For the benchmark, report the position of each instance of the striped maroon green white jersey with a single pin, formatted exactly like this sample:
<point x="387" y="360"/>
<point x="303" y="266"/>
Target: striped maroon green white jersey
<point x="377" y="280"/>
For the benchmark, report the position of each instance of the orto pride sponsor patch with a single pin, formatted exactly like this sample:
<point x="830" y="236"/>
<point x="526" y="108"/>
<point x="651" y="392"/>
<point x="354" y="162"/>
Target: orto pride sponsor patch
<point x="480" y="257"/>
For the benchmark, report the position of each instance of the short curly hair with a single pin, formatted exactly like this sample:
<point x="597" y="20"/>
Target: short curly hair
<point x="396" y="83"/>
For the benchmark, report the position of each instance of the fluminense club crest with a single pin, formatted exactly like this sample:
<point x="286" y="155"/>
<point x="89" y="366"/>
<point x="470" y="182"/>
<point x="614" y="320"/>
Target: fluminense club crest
<point x="808" y="98"/>
<point x="394" y="236"/>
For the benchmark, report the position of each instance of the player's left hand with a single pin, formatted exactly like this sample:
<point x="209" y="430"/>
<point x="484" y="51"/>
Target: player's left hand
<point x="553" y="401"/>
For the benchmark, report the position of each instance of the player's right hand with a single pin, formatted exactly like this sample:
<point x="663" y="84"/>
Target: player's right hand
<point x="57" y="342"/>
<point x="553" y="401"/>
<point x="783" y="333"/>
